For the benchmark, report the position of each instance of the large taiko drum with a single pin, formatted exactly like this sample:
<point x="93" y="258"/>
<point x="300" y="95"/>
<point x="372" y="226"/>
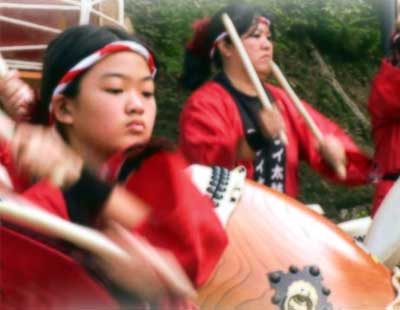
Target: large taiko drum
<point x="27" y="26"/>
<point x="282" y="255"/>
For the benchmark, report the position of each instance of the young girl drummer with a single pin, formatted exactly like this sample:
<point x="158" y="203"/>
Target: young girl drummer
<point x="98" y="91"/>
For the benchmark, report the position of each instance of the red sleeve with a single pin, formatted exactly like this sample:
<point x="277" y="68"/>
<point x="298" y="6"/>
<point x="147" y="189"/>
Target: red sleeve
<point x="384" y="108"/>
<point x="182" y="220"/>
<point x="358" y="164"/>
<point x="384" y="99"/>
<point x="210" y="127"/>
<point x="19" y="181"/>
<point x="37" y="276"/>
<point x="48" y="197"/>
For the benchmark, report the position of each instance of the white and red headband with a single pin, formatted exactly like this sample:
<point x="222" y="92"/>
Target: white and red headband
<point x="223" y="35"/>
<point x="90" y="60"/>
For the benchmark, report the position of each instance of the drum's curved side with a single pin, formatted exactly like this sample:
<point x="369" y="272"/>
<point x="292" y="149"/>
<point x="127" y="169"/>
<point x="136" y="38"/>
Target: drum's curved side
<point x="269" y="232"/>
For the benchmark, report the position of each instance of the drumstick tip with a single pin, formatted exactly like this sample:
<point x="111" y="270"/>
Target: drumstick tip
<point x="341" y="171"/>
<point x="3" y="67"/>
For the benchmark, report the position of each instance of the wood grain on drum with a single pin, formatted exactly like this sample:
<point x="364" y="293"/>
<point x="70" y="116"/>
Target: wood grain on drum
<point x="268" y="232"/>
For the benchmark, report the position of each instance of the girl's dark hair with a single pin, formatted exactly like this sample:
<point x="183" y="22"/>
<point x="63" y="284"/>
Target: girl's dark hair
<point x="65" y="51"/>
<point x="197" y="61"/>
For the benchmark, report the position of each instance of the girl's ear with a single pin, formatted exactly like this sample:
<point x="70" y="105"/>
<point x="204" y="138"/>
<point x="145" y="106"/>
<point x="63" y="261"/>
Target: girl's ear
<point x="62" y="109"/>
<point x="225" y="48"/>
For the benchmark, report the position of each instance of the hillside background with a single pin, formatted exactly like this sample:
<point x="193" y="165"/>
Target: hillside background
<point x="327" y="49"/>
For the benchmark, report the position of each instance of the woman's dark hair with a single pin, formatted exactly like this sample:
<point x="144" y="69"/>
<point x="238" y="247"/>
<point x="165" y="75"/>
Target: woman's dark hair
<point x="65" y="51"/>
<point x="395" y="45"/>
<point x="197" y="61"/>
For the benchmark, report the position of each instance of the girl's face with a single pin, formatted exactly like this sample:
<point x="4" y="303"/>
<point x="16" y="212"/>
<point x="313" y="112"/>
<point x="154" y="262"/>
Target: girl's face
<point x="258" y="44"/>
<point x="115" y="108"/>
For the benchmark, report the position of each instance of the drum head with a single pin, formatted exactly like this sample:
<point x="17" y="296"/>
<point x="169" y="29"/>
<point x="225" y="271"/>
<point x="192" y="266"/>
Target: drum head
<point x="27" y="26"/>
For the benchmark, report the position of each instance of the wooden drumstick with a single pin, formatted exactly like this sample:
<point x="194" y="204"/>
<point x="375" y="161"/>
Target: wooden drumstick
<point x="230" y="28"/>
<point x="398" y="10"/>
<point x="18" y="210"/>
<point x="339" y="167"/>
<point x="3" y="67"/>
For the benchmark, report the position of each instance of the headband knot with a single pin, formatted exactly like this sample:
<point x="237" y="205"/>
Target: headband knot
<point x="196" y="44"/>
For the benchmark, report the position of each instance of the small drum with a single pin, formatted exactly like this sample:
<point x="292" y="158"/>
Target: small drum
<point x="27" y="26"/>
<point x="282" y="255"/>
<point x="383" y="237"/>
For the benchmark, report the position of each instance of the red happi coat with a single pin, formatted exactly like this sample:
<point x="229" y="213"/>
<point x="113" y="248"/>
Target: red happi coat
<point x="182" y="219"/>
<point x="211" y="126"/>
<point x="384" y="108"/>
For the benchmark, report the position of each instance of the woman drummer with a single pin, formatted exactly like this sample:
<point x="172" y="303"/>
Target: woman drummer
<point x="98" y="90"/>
<point x="223" y="123"/>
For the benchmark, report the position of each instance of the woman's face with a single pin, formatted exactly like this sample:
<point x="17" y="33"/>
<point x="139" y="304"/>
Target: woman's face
<point x="259" y="47"/>
<point x="115" y="108"/>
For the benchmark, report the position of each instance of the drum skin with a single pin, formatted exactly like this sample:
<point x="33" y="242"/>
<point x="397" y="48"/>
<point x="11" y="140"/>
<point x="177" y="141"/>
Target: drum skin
<point x="269" y="232"/>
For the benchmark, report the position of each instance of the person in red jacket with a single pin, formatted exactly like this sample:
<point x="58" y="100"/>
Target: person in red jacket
<point x="223" y="123"/>
<point x="384" y="108"/>
<point x="100" y="98"/>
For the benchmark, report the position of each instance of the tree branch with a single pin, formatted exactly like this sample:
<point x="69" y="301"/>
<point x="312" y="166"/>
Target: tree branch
<point x="329" y="75"/>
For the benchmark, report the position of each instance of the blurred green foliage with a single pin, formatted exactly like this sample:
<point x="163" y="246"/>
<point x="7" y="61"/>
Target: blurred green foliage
<point x="345" y="32"/>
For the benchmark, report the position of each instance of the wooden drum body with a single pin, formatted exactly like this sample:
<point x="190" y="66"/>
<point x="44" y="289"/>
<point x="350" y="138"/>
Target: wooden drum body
<point x="270" y="233"/>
